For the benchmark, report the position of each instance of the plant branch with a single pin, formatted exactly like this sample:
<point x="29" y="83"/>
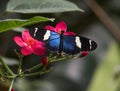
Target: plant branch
<point x="11" y="84"/>
<point x="19" y="66"/>
<point x="36" y="73"/>
<point x="6" y="67"/>
<point x="34" y="67"/>
<point x="59" y="59"/>
<point x="20" y="56"/>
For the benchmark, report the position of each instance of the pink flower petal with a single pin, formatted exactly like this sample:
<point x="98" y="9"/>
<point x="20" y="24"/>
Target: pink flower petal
<point x="26" y="51"/>
<point x="48" y="27"/>
<point x="36" y="42"/>
<point x="29" y="45"/>
<point x="39" y="50"/>
<point x="69" y="33"/>
<point x="26" y="35"/>
<point x="61" y="26"/>
<point x="19" y="41"/>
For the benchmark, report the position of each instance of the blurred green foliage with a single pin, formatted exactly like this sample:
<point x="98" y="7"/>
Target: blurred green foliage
<point x="106" y="76"/>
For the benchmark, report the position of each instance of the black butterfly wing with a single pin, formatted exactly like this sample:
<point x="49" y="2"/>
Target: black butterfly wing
<point x="87" y="44"/>
<point x="76" y="44"/>
<point x="40" y="34"/>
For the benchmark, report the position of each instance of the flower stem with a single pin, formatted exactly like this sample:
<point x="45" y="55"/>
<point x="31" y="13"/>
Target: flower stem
<point x="12" y="77"/>
<point x="19" y="67"/>
<point x="6" y="67"/>
<point x="36" y="73"/>
<point x="59" y="59"/>
<point x="20" y="64"/>
<point x="11" y="84"/>
<point x="34" y="67"/>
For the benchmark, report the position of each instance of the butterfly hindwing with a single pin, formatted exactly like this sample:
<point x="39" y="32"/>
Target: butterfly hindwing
<point x="87" y="44"/>
<point x="77" y="44"/>
<point x="69" y="45"/>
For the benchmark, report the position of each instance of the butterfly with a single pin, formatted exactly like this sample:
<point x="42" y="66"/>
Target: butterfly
<point x="68" y="44"/>
<point x="62" y="41"/>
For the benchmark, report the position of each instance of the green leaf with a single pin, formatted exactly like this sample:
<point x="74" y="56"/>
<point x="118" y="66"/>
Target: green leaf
<point x="9" y="24"/>
<point x="104" y="78"/>
<point x="41" y="6"/>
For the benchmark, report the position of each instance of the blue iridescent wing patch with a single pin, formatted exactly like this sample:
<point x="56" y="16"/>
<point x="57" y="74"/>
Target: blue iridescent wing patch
<point x="69" y="45"/>
<point x="53" y="42"/>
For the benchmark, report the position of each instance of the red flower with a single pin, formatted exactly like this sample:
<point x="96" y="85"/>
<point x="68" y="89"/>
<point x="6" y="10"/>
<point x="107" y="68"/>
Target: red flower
<point x="61" y="26"/>
<point x="44" y="61"/>
<point x="84" y="53"/>
<point x="29" y="45"/>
